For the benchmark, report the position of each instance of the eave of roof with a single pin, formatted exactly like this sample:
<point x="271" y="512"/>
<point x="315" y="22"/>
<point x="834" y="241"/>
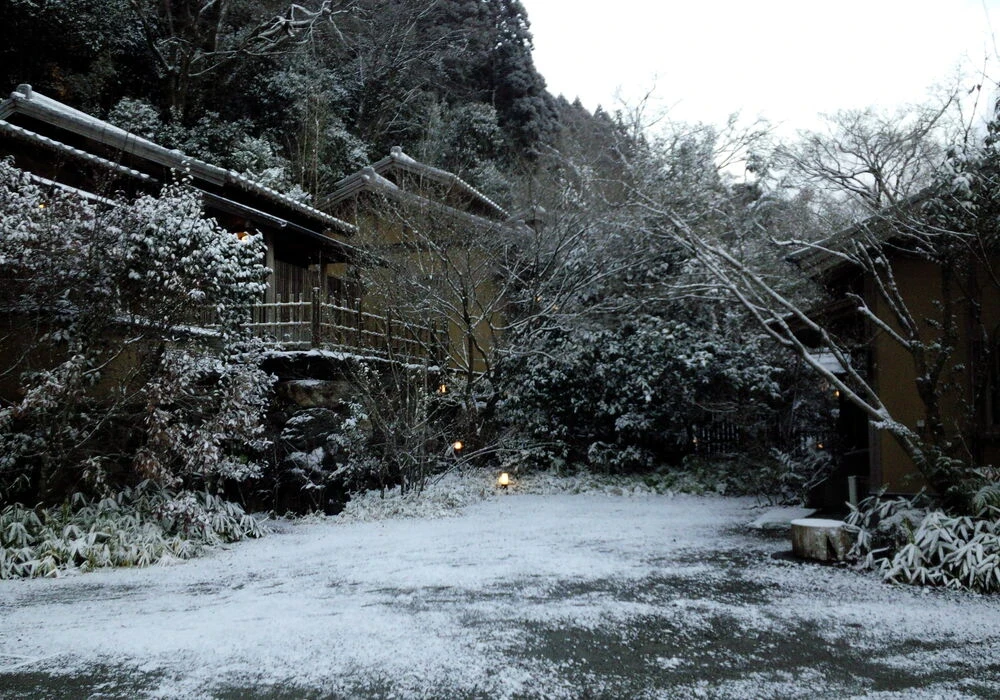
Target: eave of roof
<point x="26" y="101"/>
<point x="52" y="144"/>
<point x="75" y="191"/>
<point x="833" y="253"/>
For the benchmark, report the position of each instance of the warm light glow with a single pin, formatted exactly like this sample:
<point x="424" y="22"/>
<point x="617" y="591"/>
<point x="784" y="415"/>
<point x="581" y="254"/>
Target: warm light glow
<point x="242" y="236"/>
<point x="504" y="480"/>
<point x="443" y="389"/>
<point x="457" y="445"/>
<point x="819" y="445"/>
<point x="41" y="205"/>
<point x="836" y="393"/>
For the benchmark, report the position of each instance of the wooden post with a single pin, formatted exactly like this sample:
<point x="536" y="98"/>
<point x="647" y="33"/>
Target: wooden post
<point x="443" y="343"/>
<point x="272" y="279"/>
<point x="360" y="320"/>
<point x="315" y="340"/>
<point x="297" y="317"/>
<point x="275" y="317"/>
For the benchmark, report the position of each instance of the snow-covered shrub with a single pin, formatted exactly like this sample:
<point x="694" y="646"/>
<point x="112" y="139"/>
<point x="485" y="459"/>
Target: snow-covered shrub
<point x="909" y="541"/>
<point x="625" y="399"/>
<point x="774" y="477"/>
<point x="410" y="429"/>
<point x="138" y="117"/>
<point x="442" y="496"/>
<point x="110" y="372"/>
<point x="322" y="456"/>
<point x="135" y="527"/>
<point x="790" y="476"/>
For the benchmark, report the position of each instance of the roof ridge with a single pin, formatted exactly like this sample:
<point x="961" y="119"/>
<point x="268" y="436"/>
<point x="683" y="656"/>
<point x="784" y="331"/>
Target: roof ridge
<point x="397" y="155"/>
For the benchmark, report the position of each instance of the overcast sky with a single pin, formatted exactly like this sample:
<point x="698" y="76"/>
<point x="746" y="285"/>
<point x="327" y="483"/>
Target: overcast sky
<point x="786" y="60"/>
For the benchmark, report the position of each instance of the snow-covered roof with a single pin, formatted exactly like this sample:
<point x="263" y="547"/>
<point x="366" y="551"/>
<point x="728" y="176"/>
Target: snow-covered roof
<point x="32" y="137"/>
<point x="828" y="361"/>
<point x="369" y="180"/>
<point x="24" y="100"/>
<point x="75" y="191"/>
<point x="399" y="160"/>
<point x="888" y="226"/>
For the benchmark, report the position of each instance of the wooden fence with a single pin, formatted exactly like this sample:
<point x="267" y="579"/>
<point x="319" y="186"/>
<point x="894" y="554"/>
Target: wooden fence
<point x="304" y="323"/>
<point x="719" y="438"/>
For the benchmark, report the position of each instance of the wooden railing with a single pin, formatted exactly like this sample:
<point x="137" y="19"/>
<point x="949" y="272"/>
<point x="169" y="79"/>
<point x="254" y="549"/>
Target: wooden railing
<point x="306" y="323"/>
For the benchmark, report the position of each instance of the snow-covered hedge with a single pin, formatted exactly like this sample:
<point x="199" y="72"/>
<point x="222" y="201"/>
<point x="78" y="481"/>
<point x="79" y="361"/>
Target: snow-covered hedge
<point x="621" y="400"/>
<point x="109" y="374"/>
<point x="910" y="541"/>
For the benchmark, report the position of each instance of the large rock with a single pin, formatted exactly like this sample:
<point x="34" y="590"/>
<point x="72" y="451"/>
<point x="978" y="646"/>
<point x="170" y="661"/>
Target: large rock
<point x="819" y="539"/>
<point x="315" y="393"/>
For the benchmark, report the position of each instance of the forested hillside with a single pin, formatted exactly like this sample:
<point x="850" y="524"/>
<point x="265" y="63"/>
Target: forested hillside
<point x="299" y="95"/>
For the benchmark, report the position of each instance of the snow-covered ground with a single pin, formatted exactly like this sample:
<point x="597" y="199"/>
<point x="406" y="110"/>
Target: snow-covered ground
<point x="541" y="592"/>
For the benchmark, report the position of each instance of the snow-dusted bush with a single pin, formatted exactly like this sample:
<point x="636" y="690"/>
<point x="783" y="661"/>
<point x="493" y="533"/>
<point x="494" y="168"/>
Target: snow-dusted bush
<point x="110" y="374"/>
<point x="134" y="527"/>
<point x="322" y="456"/>
<point x="909" y="541"/>
<point x="442" y="496"/>
<point x="626" y="399"/>
<point x="790" y="476"/>
<point x="410" y="430"/>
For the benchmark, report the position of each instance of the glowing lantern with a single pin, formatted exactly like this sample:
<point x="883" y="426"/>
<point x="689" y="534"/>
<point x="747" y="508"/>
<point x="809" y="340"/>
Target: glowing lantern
<point x="457" y="445"/>
<point x="443" y="389"/>
<point x="504" y="480"/>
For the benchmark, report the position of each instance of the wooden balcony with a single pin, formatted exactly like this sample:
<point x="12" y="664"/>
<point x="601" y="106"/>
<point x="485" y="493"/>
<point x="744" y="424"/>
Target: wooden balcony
<point x="302" y="323"/>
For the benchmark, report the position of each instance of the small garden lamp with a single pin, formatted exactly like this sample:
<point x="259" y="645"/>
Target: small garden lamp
<point x="504" y="480"/>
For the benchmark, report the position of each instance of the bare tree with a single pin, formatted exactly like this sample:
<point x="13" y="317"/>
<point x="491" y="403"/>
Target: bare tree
<point x="923" y="317"/>
<point x="193" y="39"/>
<point x="870" y="158"/>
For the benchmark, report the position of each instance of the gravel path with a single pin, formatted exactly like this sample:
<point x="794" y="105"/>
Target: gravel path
<point x="515" y="596"/>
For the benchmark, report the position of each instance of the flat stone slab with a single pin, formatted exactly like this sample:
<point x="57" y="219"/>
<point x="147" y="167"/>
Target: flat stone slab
<point x="780" y="518"/>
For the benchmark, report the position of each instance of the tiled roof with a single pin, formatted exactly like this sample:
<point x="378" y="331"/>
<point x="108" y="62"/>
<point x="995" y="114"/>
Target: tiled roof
<point x="31" y="136"/>
<point x="26" y="101"/>
<point x="368" y="179"/>
<point x="398" y="159"/>
<point x="880" y="229"/>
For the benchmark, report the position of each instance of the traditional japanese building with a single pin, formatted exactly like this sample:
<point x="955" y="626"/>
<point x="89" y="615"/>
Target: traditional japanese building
<point x="439" y="240"/>
<point x="951" y="314"/>
<point x="62" y="147"/>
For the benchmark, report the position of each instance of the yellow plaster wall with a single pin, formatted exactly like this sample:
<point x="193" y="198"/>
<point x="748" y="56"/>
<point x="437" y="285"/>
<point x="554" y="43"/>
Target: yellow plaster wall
<point x="895" y="374"/>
